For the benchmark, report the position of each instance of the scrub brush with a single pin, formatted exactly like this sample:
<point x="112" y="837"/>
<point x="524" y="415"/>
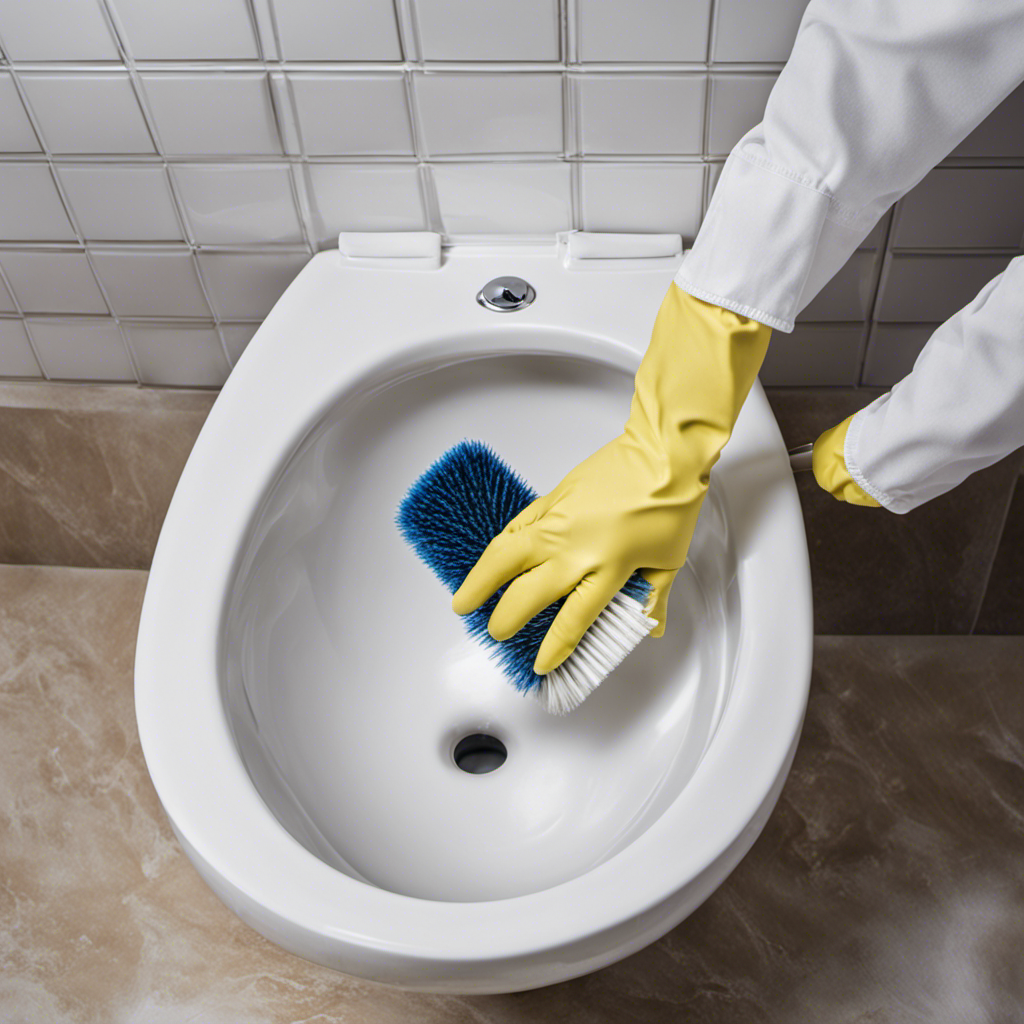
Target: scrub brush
<point x="451" y="513"/>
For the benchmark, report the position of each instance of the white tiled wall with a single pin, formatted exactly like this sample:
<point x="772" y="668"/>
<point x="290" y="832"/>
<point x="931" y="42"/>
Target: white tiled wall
<point x="167" y="168"/>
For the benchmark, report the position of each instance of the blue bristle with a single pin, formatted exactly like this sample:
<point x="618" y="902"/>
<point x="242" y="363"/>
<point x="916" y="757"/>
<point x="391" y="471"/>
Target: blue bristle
<point x="451" y="513"/>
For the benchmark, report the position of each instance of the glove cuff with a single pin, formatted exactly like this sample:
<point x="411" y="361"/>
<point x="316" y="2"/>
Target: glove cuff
<point x="694" y="378"/>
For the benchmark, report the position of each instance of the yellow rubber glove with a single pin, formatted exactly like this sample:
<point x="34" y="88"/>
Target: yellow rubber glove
<point x="829" y="467"/>
<point x="633" y="504"/>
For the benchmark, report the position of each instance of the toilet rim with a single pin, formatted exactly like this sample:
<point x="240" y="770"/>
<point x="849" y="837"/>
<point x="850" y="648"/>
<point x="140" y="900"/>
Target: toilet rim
<point x="206" y="791"/>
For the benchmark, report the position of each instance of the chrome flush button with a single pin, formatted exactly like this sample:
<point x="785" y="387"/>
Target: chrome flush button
<point x="506" y="294"/>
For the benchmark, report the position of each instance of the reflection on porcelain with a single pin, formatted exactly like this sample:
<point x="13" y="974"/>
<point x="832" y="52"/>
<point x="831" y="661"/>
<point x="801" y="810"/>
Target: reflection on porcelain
<point x="301" y="680"/>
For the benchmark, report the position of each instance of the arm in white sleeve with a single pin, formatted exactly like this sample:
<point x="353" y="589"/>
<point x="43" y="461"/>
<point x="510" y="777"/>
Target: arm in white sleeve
<point x="960" y="409"/>
<point x="875" y="93"/>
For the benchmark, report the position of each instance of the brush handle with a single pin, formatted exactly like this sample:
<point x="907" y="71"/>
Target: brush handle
<point x="800" y="458"/>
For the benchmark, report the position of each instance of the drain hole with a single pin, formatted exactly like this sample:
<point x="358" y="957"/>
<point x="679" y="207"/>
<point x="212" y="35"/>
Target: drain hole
<point x="479" y="753"/>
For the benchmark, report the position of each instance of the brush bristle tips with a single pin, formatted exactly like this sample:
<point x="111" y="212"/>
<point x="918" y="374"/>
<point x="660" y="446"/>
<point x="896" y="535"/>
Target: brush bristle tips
<point x="451" y="513"/>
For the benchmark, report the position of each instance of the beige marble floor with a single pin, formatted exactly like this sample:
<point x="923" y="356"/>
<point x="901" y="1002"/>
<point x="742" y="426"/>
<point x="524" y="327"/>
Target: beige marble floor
<point x="887" y="887"/>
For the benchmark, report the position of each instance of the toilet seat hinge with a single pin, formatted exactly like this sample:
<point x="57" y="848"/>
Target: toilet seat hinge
<point x="581" y="250"/>
<point x="391" y="250"/>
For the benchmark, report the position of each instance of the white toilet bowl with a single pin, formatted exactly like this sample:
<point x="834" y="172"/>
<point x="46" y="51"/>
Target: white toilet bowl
<point x="301" y="682"/>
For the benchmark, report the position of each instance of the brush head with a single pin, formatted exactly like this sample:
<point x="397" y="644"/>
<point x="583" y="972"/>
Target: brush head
<point x="450" y="514"/>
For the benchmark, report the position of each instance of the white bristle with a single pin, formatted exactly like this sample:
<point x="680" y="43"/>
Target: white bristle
<point x="612" y="635"/>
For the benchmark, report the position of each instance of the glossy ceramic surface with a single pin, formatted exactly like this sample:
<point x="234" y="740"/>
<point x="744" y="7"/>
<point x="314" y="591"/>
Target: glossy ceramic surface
<point x="301" y="681"/>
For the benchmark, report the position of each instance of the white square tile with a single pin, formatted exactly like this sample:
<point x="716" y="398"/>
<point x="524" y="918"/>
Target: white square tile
<point x="642" y="198"/>
<point x="737" y="105"/>
<point x="121" y="204"/>
<point x="820" y="354"/>
<point x="496" y="30"/>
<point x="960" y="207"/>
<point x="187" y="29"/>
<point x="656" y="30"/>
<point x="52" y="282"/>
<point x="893" y="350"/>
<point x="185" y="355"/>
<point x="1001" y="133"/>
<point x="930" y="289"/>
<point x="16" y="134"/>
<point x="369" y="197"/>
<point x="238" y="203"/>
<point x="847" y="296"/>
<point x="504" y="198"/>
<point x="31" y="210"/>
<point x="55" y="30"/>
<point x="16" y="358"/>
<point x="632" y="113"/>
<point x="245" y="286"/>
<point x="333" y="112"/>
<point x="212" y="112"/>
<point x="6" y="302"/>
<point x="751" y="32"/>
<point x="81" y="349"/>
<point x="150" y="283"/>
<point x="337" y="30"/>
<point x="464" y="113"/>
<point x="88" y="112"/>
<point x="236" y="338"/>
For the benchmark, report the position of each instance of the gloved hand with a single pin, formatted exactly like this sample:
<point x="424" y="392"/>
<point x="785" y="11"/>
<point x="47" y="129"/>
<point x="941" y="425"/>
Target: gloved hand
<point x="829" y="466"/>
<point x="633" y="503"/>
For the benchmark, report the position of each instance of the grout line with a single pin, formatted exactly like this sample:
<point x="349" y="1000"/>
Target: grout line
<point x="429" y="198"/>
<point x="1018" y="481"/>
<point x="712" y="31"/>
<point x="402" y="29"/>
<point x="882" y="260"/>
<point x="275" y="28"/>
<point x="24" y="324"/>
<point x="250" y="64"/>
<point x="300" y="201"/>
<point x="572" y="141"/>
<point x="380" y="158"/>
<point x="417" y="36"/>
<point x="254" y="25"/>
<point x="705" y="128"/>
<point x="563" y="32"/>
<point x="184" y="221"/>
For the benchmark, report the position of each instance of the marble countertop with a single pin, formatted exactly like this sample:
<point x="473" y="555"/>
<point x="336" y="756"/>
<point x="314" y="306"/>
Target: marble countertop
<point x="887" y="886"/>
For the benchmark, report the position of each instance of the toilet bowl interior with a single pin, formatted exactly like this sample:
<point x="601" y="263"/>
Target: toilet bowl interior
<point x="385" y="740"/>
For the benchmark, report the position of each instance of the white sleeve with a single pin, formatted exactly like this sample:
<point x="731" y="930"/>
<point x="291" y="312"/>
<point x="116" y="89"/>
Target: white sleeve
<point x="959" y="410"/>
<point x="875" y="94"/>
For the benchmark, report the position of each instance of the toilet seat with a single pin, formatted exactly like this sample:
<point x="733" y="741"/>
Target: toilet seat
<point x="346" y="325"/>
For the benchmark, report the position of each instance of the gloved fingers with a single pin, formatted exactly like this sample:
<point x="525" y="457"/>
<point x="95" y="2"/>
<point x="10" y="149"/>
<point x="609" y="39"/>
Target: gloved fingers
<point x="656" y="605"/>
<point x="507" y="555"/>
<point x="529" y="593"/>
<point x="588" y="599"/>
<point x="829" y="465"/>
